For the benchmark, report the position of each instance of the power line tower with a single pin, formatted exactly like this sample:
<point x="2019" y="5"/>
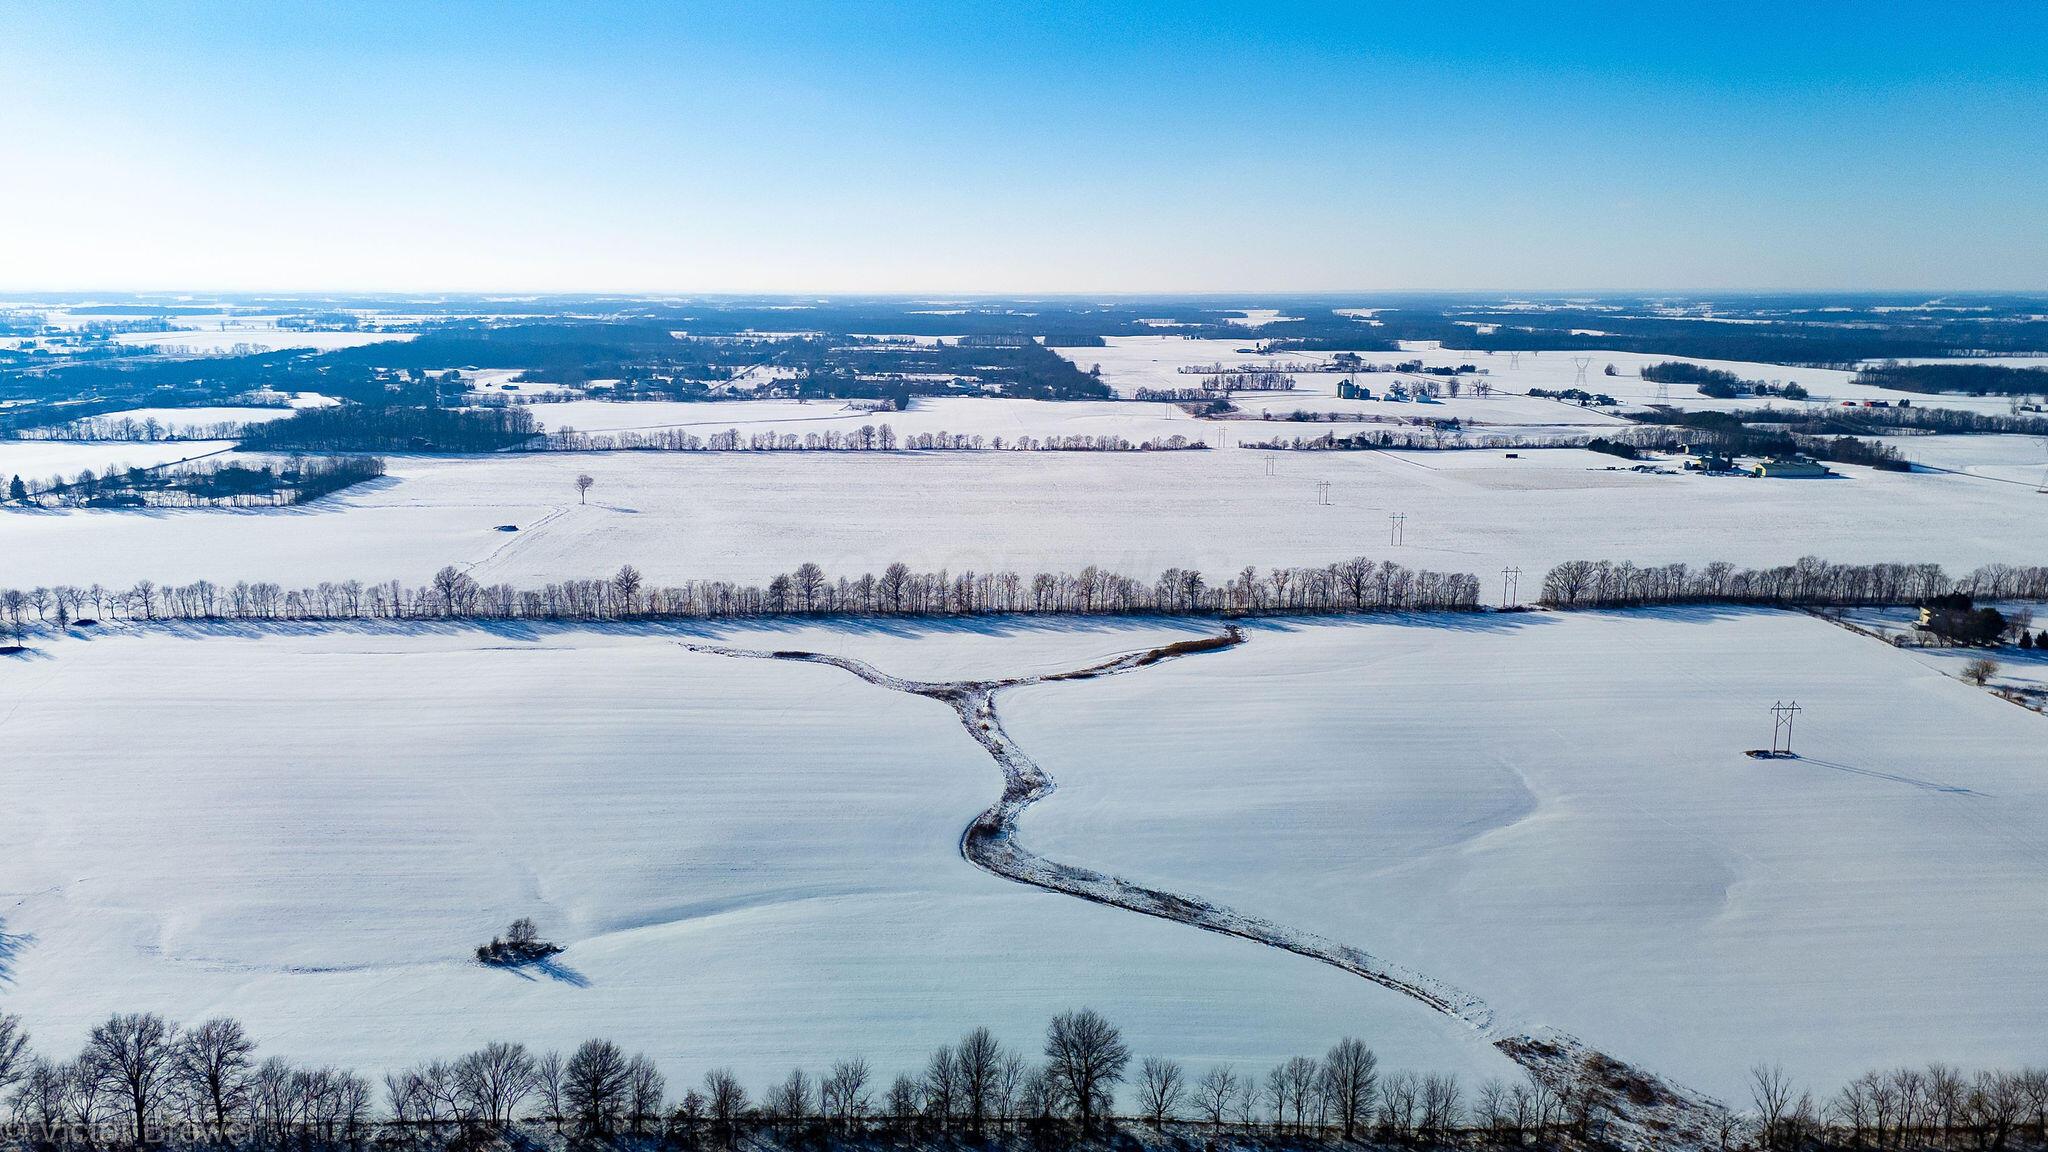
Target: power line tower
<point x="1583" y="363"/>
<point x="1514" y="360"/>
<point x="1395" y="523"/>
<point x="1510" y="592"/>
<point x="1782" y="714"/>
<point x="1272" y="465"/>
<point x="1323" y="493"/>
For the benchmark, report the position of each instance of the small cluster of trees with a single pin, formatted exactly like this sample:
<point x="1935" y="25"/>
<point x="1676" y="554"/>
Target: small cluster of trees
<point x="1578" y="396"/>
<point x="1248" y="380"/>
<point x="1716" y="383"/>
<point x="866" y="438"/>
<point x="1811" y="582"/>
<point x="207" y="483"/>
<point x="1356" y="585"/>
<point x="521" y="944"/>
<point x="1956" y="619"/>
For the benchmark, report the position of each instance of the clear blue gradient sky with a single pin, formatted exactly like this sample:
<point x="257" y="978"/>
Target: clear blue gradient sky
<point x="844" y="147"/>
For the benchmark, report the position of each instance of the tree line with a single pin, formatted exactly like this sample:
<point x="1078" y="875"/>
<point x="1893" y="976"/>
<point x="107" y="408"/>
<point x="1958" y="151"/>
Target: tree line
<point x="1356" y="585"/>
<point x="1809" y="582"/>
<point x="205" y="483"/>
<point x="368" y="428"/>
<point x="140" y="1079"/>
<point x="866" y="438"/>
<point x="127" y="429"/>
<point x="1994" y="379"/>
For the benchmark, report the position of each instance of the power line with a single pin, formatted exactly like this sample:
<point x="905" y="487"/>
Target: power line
<point x="1782" y="715"/>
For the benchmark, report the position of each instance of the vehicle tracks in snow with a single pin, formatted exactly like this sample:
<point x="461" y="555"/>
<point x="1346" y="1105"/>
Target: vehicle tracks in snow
<point x="1644" y="1109"/>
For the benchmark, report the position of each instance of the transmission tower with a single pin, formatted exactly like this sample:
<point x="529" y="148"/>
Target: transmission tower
<point x="1395" y="521"/>
<point x="1514" y="360"/>
<point x="1583" y="362"/>
<point x="1781" y="727"/>
<point x="1510" y="593"/>
<point x="1323" y="493"/>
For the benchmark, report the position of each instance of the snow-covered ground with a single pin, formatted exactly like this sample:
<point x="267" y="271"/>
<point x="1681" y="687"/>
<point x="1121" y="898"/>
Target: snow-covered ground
<point x="1132" y="362"/>
<point x="42" y="459"/>
<point x="746" y="516"/>
<point x="987" y="417"/>
<point x="1554" y="813"/>
<point x="752" y="863"/>
<point x="189" y="417"/>
<point x="2013" y="459"/>
<point x="216" y="341"/>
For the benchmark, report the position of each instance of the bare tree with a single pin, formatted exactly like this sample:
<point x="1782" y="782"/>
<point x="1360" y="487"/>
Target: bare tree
<point x="844" y="1091"/>
<point x="1770" y="1090"/>
<point x="941" y="1085"/>
<point x="132" y="1055"/>
<point x="583" y="482"/>
<point x="1980" y="671"/>
<point x="977" y="1062"/>
<point x="594" y="1086"/>
<point x="1162" y="1085"/>
<point x="491" y="1081"/>
<point x="791" y="1100"/>
<point x="725" y="1098"/>
<point x="1086" y="1055"/>
<point x="1350" y="1076"/>
<point x="1216" y="1093"/>
<point x="212" y="1070"/>
<point x="645" y="1086"/>
<point x="550" y="1080"/>
<point x="902" y="1102"/>
<point x="14" y="1054"/>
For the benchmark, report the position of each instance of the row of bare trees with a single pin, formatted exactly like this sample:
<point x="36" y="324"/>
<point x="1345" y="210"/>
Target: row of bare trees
<point x="1810" y="581"/>
<point x="140" y="1079"/>
<point x="1902" y="1108"/>
<point x="866" y="438"/>
<point x="1356" y="585"/>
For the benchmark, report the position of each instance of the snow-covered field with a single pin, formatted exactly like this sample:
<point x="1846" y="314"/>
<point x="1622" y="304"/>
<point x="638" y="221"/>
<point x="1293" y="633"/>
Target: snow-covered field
<point x="42" y="459"/>
<point x="187" y="417"/>
<point x="747" y="516"/>
<point x="751" y="862"/>
<point x="986" y="417"/>
<point x="1132" y="362"/>
<point x="216" y="341"/>
<point x="2014" y="459"/>
<point x="756" y="862"/>
<point x="1554" y="813"/>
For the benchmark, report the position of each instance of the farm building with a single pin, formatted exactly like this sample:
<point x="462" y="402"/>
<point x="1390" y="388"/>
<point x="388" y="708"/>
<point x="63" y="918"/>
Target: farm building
<point x="1792" y="468"/>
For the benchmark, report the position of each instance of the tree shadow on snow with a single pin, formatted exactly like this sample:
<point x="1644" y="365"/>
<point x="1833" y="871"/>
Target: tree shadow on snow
<point x="551" y="967"/>
<point x="12" y="945"/>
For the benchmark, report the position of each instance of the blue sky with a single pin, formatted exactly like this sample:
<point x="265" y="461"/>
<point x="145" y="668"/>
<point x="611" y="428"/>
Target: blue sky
<point x="1022" y="148"/>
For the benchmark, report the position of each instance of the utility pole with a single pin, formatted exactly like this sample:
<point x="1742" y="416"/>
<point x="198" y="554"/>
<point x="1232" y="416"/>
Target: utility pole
<point x="1394" y="522"/>
<point x="1272" y="463"/>
<point x="1781" y="727"/>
